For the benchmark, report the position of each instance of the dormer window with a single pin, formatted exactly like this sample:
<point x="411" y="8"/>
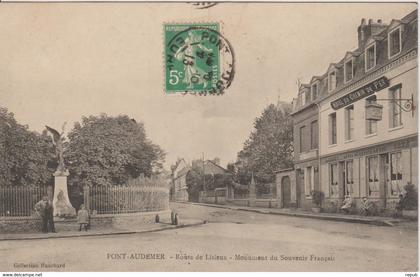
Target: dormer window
<point x="301" y="100"/>
<point x="348" y="70"/>
<point x="370" y="57"/>
<point x="332" y="81"/>
<point x="307" y="96"/>
<point x="394" y="42"/>
<point x="314" y="90"/>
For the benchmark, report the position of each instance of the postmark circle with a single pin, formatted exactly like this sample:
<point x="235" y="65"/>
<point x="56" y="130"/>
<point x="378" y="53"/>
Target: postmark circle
<point x="200" y="61"/>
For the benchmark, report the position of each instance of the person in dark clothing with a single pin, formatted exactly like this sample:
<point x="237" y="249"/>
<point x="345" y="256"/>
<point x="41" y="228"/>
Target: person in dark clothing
<point x="399" y="206"/>
<point x="40" y="210"/>
<point x="49" y="217"/>
<point x="45" y="210"/>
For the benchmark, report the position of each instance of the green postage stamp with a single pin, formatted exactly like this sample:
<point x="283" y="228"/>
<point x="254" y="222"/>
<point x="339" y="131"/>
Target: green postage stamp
<point x="198" y="59"/>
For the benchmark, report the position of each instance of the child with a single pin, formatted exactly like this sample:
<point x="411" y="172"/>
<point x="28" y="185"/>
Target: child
<point x="83" y="218"/>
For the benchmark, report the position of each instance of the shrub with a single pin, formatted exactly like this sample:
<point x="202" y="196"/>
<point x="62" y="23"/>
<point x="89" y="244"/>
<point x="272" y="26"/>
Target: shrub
<point x="317" y="197"/>
<point x="410" y="198"/>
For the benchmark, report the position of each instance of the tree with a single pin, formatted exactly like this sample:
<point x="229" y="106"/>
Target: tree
<point x="269" y="146"/>
<point x="106" y="150"/>
<point x="196" y="182"/>
<point x="27" y="157"/>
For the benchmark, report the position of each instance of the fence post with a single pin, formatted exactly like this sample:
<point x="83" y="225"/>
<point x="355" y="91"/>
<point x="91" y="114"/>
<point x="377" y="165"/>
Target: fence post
<point x="86" y="197"/>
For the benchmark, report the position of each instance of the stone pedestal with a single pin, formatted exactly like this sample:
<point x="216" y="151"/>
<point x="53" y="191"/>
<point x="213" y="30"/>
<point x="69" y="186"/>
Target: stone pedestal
<point x="252" y="192"/>
<point x="61" y="202"/>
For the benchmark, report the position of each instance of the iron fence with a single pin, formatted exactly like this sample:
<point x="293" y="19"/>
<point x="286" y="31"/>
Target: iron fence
<point x="126" y="199"/>
<point x="240" y="196"/>
<point x="20" y="200"/>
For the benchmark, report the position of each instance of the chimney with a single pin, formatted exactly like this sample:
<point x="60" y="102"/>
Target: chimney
<point x="361" y="33"/>
<point x="365" y="31"/>
<point x="216" y="161"/>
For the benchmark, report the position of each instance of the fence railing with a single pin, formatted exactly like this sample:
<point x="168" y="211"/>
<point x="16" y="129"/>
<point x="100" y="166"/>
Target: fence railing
<point x="20" y="200"/>
<point x="126" y="199"/>
<point x="266" y="196"/>
<point x="240" y="196"/>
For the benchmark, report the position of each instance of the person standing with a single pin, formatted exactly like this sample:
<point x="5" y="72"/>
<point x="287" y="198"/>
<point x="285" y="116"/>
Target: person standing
<point x="40" y="210"/>
<point x="45" y="210"/>
<point x="49" y="214"/>
<point x="83" y="217"/>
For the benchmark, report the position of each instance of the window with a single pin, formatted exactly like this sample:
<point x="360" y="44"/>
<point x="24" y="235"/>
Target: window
<point x="332" y="81"/>
<point x="370" y="57"/>
<point x="349" y="124"/>
<point x="333" y="168"/>
<point x="333" y="128"/>
<point x="394" y="42"/>
<point x="309" y="180"/>
<point x="395" y="106"/>
<point x="373" y="176"/>
<point x="302" y="139"/>
<point x="314" y="134"/>
<point x="348" y="70"/>
<point x="314" y="89"/>
<point x="371" y="125"/>
<point x="307" y="96"/>
<point x="301" y="99"/>
<point x="396" y="174"/>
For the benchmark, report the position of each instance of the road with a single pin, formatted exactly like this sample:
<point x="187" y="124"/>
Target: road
<point x="232" y="241"/>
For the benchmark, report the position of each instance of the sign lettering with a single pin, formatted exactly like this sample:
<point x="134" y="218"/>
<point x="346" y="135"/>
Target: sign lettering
<point x="362" y="92"/>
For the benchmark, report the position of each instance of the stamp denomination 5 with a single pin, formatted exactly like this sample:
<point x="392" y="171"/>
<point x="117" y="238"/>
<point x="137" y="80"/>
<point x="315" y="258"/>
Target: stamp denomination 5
<point x="198" y="59"/>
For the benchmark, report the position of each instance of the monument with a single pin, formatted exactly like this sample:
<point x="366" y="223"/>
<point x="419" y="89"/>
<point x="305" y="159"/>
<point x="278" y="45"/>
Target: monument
<point x="61" y="202"/>
<point x="252" y="192"/>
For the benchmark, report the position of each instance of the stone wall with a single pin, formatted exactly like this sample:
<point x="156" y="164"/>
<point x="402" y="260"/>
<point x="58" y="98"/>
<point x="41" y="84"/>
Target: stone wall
<point x="136" y="219"/>
<point x="97" y="222"/>
<point x="20" y="225"/>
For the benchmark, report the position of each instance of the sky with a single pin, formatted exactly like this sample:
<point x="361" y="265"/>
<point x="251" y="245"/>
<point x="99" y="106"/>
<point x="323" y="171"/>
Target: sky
<point x="62" y="61"/>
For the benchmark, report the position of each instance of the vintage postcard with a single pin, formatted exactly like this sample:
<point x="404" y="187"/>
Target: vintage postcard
<point x="208" y="136"/>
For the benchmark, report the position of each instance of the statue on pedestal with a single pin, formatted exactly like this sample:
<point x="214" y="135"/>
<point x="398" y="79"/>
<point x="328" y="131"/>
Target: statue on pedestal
<point x="59" y="149"/>
<point x="61" y="202"/>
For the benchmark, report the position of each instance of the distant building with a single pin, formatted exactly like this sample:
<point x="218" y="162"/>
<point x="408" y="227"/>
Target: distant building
<point x="355" y="133"/>
<point x="305" y="140"/>
<point x="210" y="166"/>
<point x="179" y="180"/>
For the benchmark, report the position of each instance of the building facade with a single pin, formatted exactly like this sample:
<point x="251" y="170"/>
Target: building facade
<point x="305" y="138"/>
<point x="179" y="180"/>
<point x="366" y="108"/>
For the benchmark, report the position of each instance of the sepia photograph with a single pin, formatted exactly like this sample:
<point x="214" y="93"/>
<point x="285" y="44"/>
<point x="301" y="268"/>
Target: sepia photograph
<point x="208" y="137"/>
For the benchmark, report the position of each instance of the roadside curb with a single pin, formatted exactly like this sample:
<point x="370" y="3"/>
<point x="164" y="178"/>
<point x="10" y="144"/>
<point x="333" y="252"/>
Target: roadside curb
<point x="171" y="227"/>
<point x="377" y="221"/>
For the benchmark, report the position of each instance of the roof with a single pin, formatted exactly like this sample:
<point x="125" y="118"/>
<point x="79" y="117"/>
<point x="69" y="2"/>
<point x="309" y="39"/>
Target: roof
<point x="218" y="166"/>
<point x="379" y="35"/>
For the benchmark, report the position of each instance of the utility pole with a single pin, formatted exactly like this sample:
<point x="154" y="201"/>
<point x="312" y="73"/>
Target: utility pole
<point x="204" y="177"/>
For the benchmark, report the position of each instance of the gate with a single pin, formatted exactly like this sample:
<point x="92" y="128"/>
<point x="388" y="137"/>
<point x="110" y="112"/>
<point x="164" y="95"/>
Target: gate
<point x="285" y="192"/>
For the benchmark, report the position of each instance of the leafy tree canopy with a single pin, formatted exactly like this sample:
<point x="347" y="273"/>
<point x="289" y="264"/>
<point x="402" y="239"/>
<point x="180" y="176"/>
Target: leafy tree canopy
<point x="26" y="157"/>
<point x="269" y="146"/>
<point x="105" y="150"/>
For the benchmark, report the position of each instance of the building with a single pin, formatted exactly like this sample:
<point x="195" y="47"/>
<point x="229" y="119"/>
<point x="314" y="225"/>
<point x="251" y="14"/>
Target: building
<point x="305" y="141"/>
<point x="365" y="107"/>
<point x="179" y="180"/>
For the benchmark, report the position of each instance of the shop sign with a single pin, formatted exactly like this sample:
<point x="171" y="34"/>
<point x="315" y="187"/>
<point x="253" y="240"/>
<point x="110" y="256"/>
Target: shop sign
<point x="374" y="112"/>
<point x="361" y="93"/>
<point x="388" y="147"/>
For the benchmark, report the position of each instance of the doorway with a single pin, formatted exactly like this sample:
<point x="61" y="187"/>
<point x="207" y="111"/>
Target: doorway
<point x="285" y="192"/>
<point x="300" y="183"/>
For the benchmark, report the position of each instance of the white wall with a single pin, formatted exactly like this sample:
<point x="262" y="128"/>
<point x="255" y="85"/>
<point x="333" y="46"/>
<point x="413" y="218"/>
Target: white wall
<point x="405" y="74"/>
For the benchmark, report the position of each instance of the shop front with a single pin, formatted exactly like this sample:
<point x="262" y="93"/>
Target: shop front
<point x="378" y="172"/>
